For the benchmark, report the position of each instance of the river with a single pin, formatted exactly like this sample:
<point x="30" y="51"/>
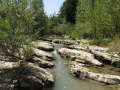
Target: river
<point x="65" y="81"/>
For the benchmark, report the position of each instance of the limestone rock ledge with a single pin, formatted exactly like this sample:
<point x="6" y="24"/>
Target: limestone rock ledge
<point x="79" y="70"/>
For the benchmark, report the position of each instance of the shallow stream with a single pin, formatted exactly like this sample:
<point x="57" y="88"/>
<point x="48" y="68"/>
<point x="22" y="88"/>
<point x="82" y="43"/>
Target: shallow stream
<point x="65" y="81"/>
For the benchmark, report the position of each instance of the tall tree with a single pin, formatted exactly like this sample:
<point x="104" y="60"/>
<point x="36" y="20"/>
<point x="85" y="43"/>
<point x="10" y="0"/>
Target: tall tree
<point x="68" y="10"/>
<point x="97" y="18"/>
<point x="39" y="17"/>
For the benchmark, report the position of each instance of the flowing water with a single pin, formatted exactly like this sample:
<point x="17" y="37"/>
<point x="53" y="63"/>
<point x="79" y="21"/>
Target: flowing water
<point x="64" y="81"/>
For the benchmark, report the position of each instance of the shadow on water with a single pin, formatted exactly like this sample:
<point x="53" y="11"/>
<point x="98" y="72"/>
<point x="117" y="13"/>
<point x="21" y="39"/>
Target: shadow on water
<point x="64" y="81"/>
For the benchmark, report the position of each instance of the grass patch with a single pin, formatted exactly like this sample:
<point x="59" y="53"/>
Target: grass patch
<point x="115" y="44"/>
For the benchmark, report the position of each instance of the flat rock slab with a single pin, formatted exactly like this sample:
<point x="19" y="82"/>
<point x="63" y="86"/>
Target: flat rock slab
<point x="40" y="73"/>
<point x="79" y="70"/>
<point x="41" y="53"/>
<point x="98" y="48"/>
<point x="88" y="48"/>
<point x="82" y="55"/>
<point x="8" y="65"/>
<point x="42" y="63"/>
<point x="103" y="54"/>
<point x="107" y="58"/>
<point x="43" y="45"/>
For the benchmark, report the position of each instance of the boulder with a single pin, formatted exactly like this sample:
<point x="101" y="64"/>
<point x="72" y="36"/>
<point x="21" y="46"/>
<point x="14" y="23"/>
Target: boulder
<point x="43" y="45"/>
<point x="8" y="75"/>
<point x="79" y="70"/>
<point x="28" y="76"/>
<point x="107" y="58"/>
<point x="42" y="63"/>
<point x="42" y="74"/>
<point x="43" y="54"/>
<point x="103" y="54"/>
<point x="106" y="78"/>
<point x="8" y="65"/>
<point x="82" y="55"/>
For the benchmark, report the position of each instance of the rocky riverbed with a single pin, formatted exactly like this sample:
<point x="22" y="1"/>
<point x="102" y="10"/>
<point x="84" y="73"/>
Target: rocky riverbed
<point x="33" y="73"/>
<point x="84" y="59"/>
<point x="36" y="72"/>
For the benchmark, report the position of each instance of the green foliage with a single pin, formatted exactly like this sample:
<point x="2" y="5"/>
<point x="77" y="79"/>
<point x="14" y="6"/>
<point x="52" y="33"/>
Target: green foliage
<point x="58" y="26"/>
<point x="54" y="22"/>
<point x="68" y="11"/>
<point x="63" y="23"/>
<point x="13" y="23"/>
<point x="98" y="18"/>
<point x="20" y="22"/>
<point x="40" y="27"/>
<point x="64" y="29"/>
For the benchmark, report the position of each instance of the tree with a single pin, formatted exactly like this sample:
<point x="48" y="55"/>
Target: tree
<point x="40" y="26"/>
<point x="68" y="11"/>
<point x="15" y="24"/>
<point x="97" y="19"/>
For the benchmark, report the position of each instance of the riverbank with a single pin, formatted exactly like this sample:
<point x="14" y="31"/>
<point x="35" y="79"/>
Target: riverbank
<point x="86" y="61"/>
<point x="83" y="63"/>
<point x="31" y="73"/>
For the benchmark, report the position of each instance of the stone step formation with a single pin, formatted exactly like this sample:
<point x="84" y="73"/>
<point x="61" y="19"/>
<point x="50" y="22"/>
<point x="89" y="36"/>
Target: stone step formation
<point x="36" y="72"/>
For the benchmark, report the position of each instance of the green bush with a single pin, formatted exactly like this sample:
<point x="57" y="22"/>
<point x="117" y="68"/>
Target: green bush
<point x="21" y="21"/>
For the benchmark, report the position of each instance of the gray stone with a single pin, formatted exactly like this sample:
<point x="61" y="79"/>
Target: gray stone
<point x="79" y="70"/>
<point x="42" y="63"/>
<point x="43" y="54"/>
<point x="82" y="55"/>
<point x="107" y="58"/>
<point x="43" y="45"/>
<point x="39" y="73"/>
<point x="8" y="65"/>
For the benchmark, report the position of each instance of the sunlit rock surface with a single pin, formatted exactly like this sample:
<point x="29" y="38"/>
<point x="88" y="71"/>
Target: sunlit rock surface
<point x="43" y="45"/>
<point x="79" y="70"/>
<point x="82" y="55"/>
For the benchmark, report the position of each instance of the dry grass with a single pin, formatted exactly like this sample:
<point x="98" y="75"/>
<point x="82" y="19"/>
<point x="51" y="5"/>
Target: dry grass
<point x="115" y="44"/>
